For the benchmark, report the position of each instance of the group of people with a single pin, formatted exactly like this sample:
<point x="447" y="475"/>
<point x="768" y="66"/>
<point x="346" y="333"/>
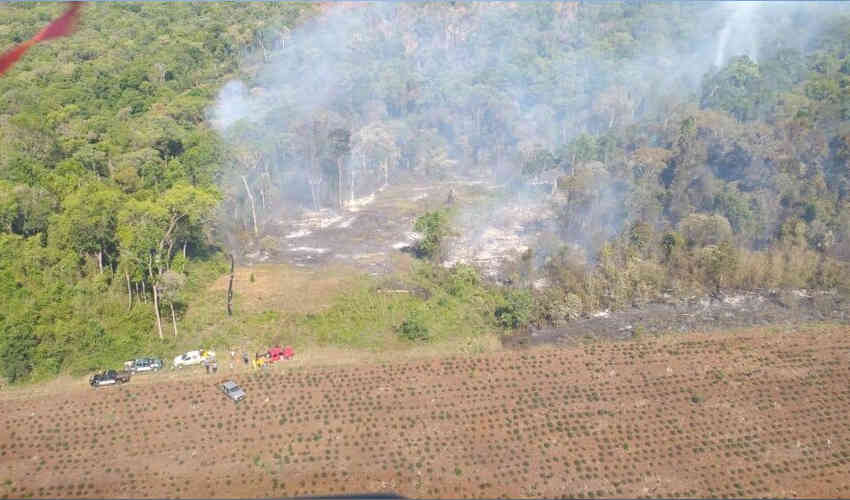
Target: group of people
<point x="211" y="365"/>
<point x="261" y="360"/>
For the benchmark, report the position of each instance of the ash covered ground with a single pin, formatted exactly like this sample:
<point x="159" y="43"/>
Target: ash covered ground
<point x="366" y="233"/>
<point x="491" y="228"/>
<point x="706" y="314"/>
<point x="500" y="229"/>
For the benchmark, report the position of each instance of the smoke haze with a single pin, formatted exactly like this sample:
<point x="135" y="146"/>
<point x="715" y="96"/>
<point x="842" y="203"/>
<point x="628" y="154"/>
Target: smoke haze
<point x="473" y="90"/>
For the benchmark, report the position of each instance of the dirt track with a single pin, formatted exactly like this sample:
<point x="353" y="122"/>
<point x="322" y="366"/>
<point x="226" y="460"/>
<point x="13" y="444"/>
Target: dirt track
<point x="757" y="413"/>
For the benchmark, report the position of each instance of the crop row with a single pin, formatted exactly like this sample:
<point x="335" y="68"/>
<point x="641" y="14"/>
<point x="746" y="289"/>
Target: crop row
<point x="583" y="423"/>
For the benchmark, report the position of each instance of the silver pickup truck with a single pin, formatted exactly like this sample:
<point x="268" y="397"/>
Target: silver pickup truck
<point x="142" y="365"/>
<point x="233" y="391"/>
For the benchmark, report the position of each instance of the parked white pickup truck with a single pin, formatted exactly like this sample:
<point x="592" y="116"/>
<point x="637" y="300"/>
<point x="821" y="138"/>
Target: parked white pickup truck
<point x="193" y="358"/>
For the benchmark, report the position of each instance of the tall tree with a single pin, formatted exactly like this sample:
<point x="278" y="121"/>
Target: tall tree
<point x="340" y="148"/>
<point x="88" y="222"/>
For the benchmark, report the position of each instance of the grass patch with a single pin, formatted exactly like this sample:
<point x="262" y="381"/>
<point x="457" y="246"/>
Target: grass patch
<point x="448" y="305"/>
<point x="336" y="307"/>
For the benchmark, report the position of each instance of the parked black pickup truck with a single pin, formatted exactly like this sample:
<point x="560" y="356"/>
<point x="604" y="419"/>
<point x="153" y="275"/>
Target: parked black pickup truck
<point x="109" y="377"/>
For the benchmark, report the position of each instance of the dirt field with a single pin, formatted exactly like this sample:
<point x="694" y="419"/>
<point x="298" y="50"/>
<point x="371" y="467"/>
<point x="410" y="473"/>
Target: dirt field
<point x="757" y="413"/>
<point x="285" y="288"/>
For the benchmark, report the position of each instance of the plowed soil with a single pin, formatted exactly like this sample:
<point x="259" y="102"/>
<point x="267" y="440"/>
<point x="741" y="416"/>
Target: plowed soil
<point x="755" y="413"/>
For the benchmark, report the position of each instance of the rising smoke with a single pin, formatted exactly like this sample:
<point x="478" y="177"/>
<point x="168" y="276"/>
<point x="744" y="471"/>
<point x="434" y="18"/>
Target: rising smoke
<point x="441" y="90"/>
<point x="739" y="34"/>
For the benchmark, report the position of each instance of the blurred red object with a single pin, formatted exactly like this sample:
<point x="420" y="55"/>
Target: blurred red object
<point x="63" y="26"/>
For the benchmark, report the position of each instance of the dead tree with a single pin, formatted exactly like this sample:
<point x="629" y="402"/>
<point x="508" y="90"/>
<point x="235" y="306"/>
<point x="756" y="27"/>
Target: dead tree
<point x="253" y="208"/>
<point x="230" y="289"/>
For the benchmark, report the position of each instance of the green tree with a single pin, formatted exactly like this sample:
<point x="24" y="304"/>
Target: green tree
<point x="17" y="349"/>
<point x="8" y="207"/>
<point x="169" y="286"/>
<point x="736" y="88"/>
<point x="735" y="207"/>
<point x="434" y="227"/>
<point x="719" y="263"/>
<point x="515" y="311"/>
<point x="88" y="222"/>
<point x="702" y="230"/>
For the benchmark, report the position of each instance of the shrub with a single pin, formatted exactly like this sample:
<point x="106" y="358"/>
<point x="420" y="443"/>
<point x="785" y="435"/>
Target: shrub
<point x="700" y="229"/>
<point x="461" y="279"/>
<point x="515" y="311"/>
<point x="413" y="328"/>
<point x="672" y="242"/>
<point x="640" y="235"/>
<point x="719" y="263"/>
<point x="434" y="227"/>
<point x="571" y="307"/>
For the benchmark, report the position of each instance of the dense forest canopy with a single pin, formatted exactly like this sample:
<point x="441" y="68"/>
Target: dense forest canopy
<point x="159" y="132"/>
<point x="108" y="172"/>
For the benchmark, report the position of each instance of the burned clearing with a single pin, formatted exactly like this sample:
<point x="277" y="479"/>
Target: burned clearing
<point x="494" y="227"/>
<point x="758" y="413"/>
<point x="692" y="314"/>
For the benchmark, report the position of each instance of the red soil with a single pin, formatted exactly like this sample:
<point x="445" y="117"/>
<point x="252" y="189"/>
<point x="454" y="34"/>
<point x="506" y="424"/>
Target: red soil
<point x="755" y="414"/>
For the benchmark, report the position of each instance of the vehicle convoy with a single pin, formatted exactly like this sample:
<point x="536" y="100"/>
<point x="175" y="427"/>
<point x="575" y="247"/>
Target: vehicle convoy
<point x="193" y="358"/>
<point x="141" y="365"/>
<point x="232" y="391"/>
<point x="109" y="377"/>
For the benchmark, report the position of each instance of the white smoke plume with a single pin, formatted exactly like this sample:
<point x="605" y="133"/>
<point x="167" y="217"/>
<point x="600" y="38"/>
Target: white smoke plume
<point x="739" y="34"/>
<point x="368" y="67"/>
<point x="233" y="104"/>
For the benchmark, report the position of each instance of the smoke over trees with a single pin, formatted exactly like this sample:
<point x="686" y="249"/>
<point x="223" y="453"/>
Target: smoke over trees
<point x="651" y="112"/>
